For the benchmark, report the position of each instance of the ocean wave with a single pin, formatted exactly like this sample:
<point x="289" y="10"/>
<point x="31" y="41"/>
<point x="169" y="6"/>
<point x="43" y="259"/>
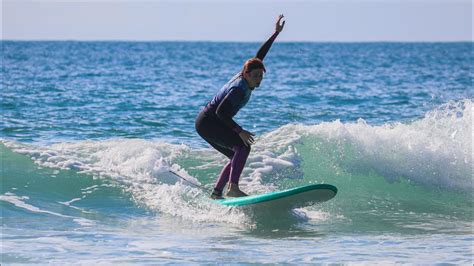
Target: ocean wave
<point x="433" y="153"/>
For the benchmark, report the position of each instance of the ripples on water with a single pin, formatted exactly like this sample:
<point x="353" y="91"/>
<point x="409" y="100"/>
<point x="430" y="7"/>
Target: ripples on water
<point x="79" y="90"/>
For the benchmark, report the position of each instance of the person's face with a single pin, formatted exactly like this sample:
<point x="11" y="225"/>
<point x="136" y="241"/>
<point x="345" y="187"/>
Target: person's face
<point x="254" y="77"/>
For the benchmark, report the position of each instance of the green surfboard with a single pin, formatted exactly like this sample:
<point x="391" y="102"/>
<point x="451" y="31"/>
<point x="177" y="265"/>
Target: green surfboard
<point x="291" y="198"/>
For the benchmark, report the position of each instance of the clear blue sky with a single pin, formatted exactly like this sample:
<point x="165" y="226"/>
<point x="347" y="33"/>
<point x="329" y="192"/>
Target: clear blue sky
<point x="244" y="20"/>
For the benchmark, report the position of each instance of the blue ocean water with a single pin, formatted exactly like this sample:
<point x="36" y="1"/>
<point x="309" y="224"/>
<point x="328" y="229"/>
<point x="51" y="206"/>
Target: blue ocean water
<point x="89" y="131"/>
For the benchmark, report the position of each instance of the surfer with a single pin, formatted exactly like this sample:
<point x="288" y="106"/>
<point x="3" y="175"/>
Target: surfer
<point x="216" y="126"/>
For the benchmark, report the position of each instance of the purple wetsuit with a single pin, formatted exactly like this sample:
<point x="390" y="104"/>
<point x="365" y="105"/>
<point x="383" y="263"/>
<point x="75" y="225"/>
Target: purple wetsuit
<point x="215" y="123"/>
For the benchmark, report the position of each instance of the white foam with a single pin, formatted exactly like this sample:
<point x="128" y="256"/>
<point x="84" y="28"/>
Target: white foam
<point x="142" y="168"/>
<point x="434" y="151"/>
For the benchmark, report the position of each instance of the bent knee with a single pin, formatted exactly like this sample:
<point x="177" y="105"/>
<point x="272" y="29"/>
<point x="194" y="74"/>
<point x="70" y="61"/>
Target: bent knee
<point x="242" y="148"/>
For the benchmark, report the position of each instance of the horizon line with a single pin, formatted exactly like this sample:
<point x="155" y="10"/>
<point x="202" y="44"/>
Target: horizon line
<point x="231" y="41"/>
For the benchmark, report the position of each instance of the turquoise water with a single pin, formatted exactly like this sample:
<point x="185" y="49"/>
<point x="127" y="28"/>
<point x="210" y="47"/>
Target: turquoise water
<point x="89" y="131"/>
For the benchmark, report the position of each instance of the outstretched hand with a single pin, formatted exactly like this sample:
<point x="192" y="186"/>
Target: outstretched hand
<point x="279" y="27"/>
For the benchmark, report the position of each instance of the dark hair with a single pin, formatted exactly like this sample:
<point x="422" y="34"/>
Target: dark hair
<point x="253" y="63"/>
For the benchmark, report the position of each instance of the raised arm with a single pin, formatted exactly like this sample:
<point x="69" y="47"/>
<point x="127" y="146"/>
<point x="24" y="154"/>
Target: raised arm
<point x="262" y="52"/>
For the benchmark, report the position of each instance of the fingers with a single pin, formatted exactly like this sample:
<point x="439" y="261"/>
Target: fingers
<point x="247" y="137"/>
<point x="251" y="140"/>
<point x="279" y="18"/>
<point x="248" y="140"/>
<point x="279" y="27"/>
<point x="251" y="135"/>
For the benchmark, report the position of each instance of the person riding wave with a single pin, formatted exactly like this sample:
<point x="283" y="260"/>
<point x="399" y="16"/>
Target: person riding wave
<point x="215" y="122"/>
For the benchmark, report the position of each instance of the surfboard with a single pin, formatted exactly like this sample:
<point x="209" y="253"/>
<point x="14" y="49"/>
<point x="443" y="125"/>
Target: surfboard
<point x="297" y="197"/>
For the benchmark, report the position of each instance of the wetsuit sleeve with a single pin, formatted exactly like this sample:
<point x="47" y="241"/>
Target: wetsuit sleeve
<point x="262" y="52"/>
<point x="229" y="107"/>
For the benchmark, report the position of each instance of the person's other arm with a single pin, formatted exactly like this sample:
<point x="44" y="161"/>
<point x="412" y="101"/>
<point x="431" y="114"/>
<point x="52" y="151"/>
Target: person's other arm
<point x="228" y="108"/>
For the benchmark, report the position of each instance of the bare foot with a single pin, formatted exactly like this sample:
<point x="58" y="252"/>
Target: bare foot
<point x="235" y="192"/>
